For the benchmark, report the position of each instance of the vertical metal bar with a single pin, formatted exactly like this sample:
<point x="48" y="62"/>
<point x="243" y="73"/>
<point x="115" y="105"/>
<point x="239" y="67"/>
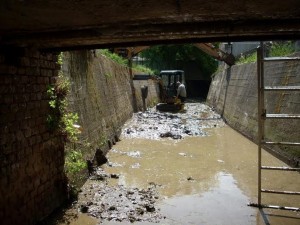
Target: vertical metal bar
<point x="259" y="120"/>
<point x="262" y="90"/>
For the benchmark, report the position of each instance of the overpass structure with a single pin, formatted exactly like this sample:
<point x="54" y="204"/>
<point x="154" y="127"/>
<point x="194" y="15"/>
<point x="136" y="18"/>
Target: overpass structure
<point x="32" y="181"/>
<point x="65" y="25"/>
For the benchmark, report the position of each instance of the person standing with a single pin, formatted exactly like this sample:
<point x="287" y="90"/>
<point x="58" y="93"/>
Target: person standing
<point x="181" y="91"/>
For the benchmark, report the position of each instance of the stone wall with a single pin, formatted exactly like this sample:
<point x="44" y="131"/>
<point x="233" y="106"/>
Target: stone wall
<point x="32" y="182"/>
<point x="233" y="93"/>
<point x="103" y="95"/>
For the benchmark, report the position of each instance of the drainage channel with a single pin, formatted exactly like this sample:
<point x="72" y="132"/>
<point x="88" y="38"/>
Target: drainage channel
<point x="184" y="168"/>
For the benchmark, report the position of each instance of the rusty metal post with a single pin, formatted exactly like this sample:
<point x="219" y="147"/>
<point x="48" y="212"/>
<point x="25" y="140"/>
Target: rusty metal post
<point x="134" y="101"/>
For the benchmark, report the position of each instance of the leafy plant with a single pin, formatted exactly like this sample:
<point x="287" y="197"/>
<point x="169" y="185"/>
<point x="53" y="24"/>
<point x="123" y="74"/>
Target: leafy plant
<point x="74" y="162"/>
<point x="108" y="75"/>
<point x="276" y="49"/>
<point x="69" y="120"/>
<point x="75" y="166"/>
<point x="60" y="118"/>
<point x="281" y="49"/>
<point x="144" y="69"/>
<point x="247" y="59"/>
<point x="113" y="56"/>
<point x="60" y="58"/>
<point x="153" y="102"/>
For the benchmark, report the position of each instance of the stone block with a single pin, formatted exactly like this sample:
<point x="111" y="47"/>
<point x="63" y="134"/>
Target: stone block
<point x="34" y="62"/>
<point x="46" y="72"/>
<point x="4" y="69"/>
<point x="7" y="79"/>
<point x="21" y="70"/>
<point x="33" y="97"/>
<point x="45" y="136"/>
<point x="7" y="99"/>
<point x="24" y="61"/>
<point x="39" y="96"/>
<point x="2" y="58"/>
<point x="40" y="80"/>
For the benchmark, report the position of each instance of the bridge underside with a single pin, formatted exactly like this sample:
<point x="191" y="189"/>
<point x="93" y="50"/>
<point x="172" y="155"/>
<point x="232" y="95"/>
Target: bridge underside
<point x="57" y="24"/>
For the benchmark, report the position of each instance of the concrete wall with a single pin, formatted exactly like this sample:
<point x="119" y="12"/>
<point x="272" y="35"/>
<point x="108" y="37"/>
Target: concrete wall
<point x="153" y="93"/>
<point x="233" y="93"/>
<point x="32" y="182"/>
<point x="102" y="95"/>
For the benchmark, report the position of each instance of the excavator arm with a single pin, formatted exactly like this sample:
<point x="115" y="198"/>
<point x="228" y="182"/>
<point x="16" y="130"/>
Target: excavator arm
<point x="208" y="48"/>
<point x="216" y="53"/>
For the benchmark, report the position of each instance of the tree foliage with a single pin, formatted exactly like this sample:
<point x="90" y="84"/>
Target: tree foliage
<point x="166" y="57"/>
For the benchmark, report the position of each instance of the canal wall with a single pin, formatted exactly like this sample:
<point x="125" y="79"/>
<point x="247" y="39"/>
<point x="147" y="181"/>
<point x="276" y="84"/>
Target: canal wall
<point x="32" y="154"/>
<point x="32" y="181"/>
<point x="104" y="96"/>
<point x="233" y="93"/>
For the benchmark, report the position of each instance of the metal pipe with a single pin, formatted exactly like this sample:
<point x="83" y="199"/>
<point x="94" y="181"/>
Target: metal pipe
<point x="280" y="192"/>
<point x="279" y="168"/>
<point x="274" y="207"/>
<point x="259" y="118"/>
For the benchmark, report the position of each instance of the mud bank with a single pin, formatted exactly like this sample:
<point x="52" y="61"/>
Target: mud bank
<point x="117" y="202"/>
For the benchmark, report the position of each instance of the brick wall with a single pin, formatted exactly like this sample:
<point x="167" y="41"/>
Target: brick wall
<point x="32" y="180"/>
<point x="233" y="92"/>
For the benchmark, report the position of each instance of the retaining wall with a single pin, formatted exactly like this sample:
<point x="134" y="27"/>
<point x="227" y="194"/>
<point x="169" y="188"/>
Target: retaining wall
<point x="233" y="93"/>
<point x="32" y="181"/>
<point x="104" y="96"/>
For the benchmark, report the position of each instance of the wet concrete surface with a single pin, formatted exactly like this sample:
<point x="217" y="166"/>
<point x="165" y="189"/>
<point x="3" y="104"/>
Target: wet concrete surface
<point x="205" y="177"/>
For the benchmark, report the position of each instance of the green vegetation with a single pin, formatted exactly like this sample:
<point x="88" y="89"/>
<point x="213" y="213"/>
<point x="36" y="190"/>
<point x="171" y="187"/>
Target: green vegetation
<point x="120" y="60"/>
<point x="74" y="162"/>
<point x="69" y="121"/>
<point x="108" y="75"/>
<point x="277" y="49"/>
<point x="60" y="58"/>
<point x="115" y="57"/>
<point x="153" y="102"/>
<point x="175" y="56"/>
<point x="60" y="118"/>
<point x="281" y="49"/>
<point x="142" y="68"/>
<point x="247" y="59"/>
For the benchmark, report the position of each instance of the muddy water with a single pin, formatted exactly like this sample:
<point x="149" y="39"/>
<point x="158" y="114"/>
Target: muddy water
<point x="205" y="180"/>
<point x="206" y="177"/>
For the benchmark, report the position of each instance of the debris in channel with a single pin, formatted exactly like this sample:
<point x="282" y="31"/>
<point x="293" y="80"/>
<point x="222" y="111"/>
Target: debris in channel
<point x="156" y="125"/>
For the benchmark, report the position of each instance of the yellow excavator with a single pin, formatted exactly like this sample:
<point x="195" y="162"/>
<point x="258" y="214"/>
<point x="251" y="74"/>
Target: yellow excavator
<point x="168" y="90"/>
<point x="168" y="78"/>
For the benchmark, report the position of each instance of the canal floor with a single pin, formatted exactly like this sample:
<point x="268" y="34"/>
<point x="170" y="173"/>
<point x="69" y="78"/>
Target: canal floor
<point x="204" y="179"/>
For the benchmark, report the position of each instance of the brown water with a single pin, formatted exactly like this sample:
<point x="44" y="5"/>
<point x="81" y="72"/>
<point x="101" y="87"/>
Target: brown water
<point x="204" y="180"/>
<point x="223" y="168"/>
